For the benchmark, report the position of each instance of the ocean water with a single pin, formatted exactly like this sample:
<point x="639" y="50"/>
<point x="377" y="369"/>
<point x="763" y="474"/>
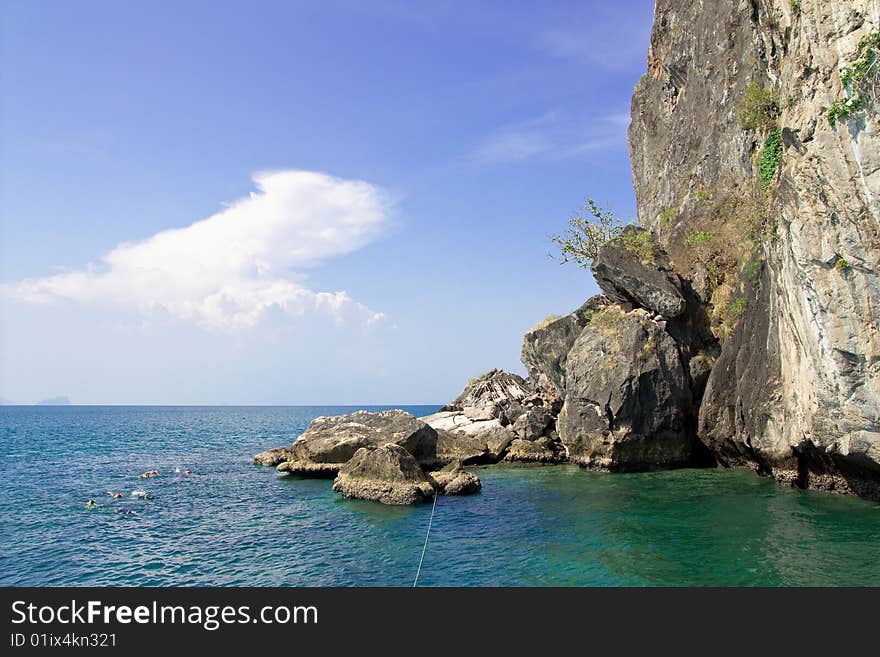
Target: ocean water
<point x="233" y="523"/>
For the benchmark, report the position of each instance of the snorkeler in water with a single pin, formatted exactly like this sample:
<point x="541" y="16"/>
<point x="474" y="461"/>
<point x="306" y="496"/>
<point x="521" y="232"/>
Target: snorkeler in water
<point x="91" y="504"/>
<point x="126" y="512"/>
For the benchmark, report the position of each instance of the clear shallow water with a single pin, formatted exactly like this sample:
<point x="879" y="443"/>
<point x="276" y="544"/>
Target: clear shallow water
<point x="233" y="523"/>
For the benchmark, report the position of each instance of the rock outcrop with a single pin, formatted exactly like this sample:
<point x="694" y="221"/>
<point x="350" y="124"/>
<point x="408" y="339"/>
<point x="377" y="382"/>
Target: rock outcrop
<point x="632" y="269"/>
<point x="783" y="247"/>
<point x="329" y="442"/>
<point x="388" y="474"/>
<point x="546" y="346"/>
<point x="628" y="402"/>
<point x="273" y="457"/>
<point x="493" y="411"/>
<point x="453" y="479"/>
<point x="739" y="323"/>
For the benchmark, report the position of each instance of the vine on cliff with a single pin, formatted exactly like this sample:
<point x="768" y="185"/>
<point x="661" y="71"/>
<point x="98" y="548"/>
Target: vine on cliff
<point x="770" y="157"/>
<point x="861" y="80"/>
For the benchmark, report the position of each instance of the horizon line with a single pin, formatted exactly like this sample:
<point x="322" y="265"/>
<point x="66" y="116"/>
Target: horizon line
<point x="215" y="405"/>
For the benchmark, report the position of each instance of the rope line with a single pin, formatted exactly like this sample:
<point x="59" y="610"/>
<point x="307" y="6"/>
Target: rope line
<point x="425" y="547"/>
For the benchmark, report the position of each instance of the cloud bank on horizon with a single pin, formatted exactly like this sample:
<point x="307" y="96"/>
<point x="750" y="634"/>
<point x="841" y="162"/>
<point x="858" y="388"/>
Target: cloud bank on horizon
<point x="225" y="272"/>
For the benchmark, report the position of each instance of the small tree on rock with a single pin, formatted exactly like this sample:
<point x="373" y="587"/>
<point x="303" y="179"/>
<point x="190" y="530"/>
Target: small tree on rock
<point x="587" y="231"/>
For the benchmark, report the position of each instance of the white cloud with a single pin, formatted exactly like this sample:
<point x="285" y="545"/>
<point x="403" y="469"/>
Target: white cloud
<point x="225" y="272"/>
<point x="551" y="136"/>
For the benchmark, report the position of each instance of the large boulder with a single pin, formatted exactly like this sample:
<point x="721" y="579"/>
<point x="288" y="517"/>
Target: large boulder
<point x="388" y="474"/>
<point x="633" y="269"/>
<point x="545" y="347"/>
<point x="329" y="442"/>
<point x="628" y="402"/>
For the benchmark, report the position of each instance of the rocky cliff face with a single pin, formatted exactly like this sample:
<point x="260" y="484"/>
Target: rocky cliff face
<point x="787" y="266"/>
<point x="739" y="324"/>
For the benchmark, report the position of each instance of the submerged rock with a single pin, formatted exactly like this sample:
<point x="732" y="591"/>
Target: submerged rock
<point x="388" y="474"/>
<point x="633" y="269"/>
<point x="628" y="402"/>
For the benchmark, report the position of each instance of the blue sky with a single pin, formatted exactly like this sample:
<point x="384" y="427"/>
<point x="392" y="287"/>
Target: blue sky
<point x="297" y="202"/>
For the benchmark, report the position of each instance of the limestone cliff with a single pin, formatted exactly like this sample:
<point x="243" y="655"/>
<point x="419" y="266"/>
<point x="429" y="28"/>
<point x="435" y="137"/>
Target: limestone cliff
<point x="782" y="245"/>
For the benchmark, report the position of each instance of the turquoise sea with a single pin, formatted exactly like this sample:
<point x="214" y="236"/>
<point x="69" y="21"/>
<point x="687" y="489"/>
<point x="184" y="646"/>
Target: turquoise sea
<point x="232" y="523"/>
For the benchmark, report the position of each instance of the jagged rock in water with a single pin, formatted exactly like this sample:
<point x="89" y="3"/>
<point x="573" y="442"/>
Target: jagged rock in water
<point x="628" y="402"/>
<point x="388" y="474"/>
<point x="452" y="479"/>
<point x="546" y="346"/>
<point x="272" y="457"/>
<point x="795" y="391"/>
<point x="633" y="269"/>
<point x="330" y="442"/>
<point x="479" y="425"/>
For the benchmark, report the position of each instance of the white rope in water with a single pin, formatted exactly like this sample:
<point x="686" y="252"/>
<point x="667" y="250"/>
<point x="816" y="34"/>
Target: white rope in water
<point x="425" y="547"/>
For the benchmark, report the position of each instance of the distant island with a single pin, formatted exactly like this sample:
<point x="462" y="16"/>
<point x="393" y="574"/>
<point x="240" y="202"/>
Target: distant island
<point x="55" y="401"/>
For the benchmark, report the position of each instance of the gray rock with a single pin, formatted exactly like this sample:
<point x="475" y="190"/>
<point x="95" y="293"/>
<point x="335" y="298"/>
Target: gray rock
<point x="495" y="389"/>
<point x="272" y="457"/>
<point x="628" y="402"/>
<point x="455" y="480"/>
<point x="644" y="281"/>
<point x="388" y="474"/>
<point x="796" y="389"/>
<point x="482" y="441"/>
<point x="330" y="442"/>
<point x="306" y="468"/>
<point x="534" y="423"/>
<point x="452" y="446"/>
<point x="542" y="450"/>
<point x="545" y="347"/>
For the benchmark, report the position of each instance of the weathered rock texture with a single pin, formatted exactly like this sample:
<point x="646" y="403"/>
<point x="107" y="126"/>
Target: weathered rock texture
<point x="628" y="402"/>
<point x="453" y="479"/>
<point x="272" y="457"/>
<point x="494" y="410"/>
<point x="388" y="474"/>
<point x="740" y="324"/>
<point x="643" y="277"/>
<point x="329" y="442"/>
<point x="546" y="346"/>
<point x="789" y="272"/>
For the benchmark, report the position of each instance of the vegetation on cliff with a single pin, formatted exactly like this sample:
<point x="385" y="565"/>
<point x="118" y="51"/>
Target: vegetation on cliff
<point x="588" y="230"/>
<point x="861" y="80"/>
